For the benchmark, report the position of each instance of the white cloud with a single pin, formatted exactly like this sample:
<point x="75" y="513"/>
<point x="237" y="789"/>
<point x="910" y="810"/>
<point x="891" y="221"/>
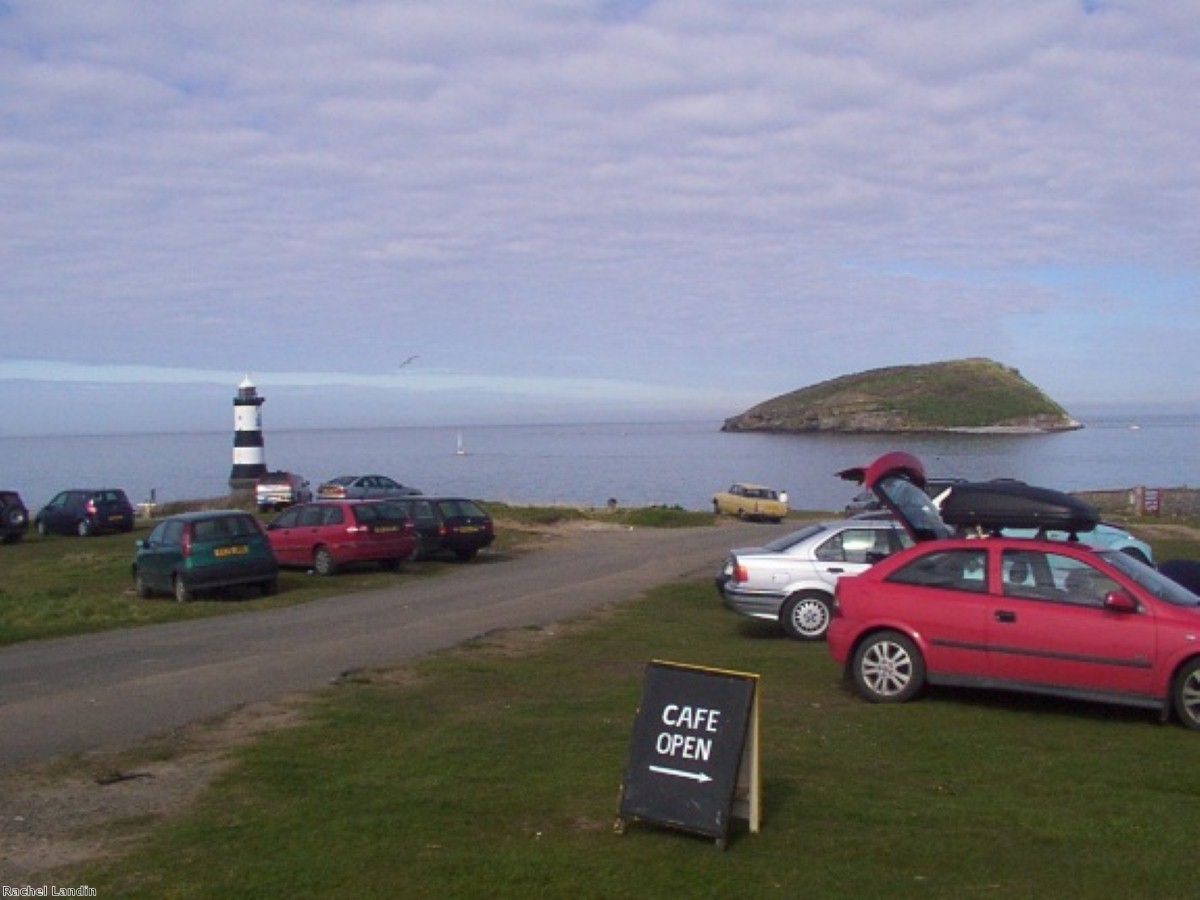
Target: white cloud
<point x="632" y="192"/>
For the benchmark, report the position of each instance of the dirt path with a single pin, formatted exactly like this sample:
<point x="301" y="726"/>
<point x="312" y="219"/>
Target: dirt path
<point x="106" y="735"/>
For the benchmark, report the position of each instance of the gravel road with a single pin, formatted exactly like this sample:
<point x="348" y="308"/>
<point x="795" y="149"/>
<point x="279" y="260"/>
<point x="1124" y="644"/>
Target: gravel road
<point x="110" y="690"/>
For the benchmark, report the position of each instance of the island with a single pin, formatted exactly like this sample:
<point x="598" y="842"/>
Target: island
<point x="964" y="395"/>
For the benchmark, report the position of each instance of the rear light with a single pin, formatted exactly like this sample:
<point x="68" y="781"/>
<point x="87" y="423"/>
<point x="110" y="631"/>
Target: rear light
<point x="185" y="542"/>
<point x="90" y="507"/>
<point x="740" y="574"/>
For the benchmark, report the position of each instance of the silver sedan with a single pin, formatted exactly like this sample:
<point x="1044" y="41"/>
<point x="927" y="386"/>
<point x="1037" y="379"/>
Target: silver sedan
<point x="791" y="579"/>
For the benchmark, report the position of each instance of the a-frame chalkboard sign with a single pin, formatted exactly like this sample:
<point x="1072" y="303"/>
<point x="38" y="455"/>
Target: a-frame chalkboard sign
<point x="693" y="758"/>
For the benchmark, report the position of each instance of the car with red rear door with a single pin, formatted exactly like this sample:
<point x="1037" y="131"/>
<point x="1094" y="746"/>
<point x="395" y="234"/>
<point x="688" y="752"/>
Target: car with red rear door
<point x="327" y="535"/>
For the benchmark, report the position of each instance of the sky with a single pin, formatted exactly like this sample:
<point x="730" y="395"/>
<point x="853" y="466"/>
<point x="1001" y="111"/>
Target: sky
<point x="467" y="212"/>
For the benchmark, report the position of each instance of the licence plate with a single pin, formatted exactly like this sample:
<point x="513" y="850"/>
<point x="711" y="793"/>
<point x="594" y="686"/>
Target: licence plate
<point x="384" y="529"/>
<point x="238" y="550"/>
<point x="468" y="529"/>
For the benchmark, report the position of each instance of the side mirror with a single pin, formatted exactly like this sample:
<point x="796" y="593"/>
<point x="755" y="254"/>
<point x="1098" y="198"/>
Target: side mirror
<point x="1120" y="601"/>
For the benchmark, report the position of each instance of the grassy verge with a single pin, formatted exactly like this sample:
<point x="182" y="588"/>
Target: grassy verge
<point x="494" y="770"/>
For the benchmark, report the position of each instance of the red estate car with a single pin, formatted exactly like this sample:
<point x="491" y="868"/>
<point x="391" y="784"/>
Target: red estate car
<point x="328" y="534"/>
<point x="1044" y="616"/>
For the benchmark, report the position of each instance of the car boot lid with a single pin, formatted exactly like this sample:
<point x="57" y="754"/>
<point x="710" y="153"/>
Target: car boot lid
<point x="897" y="478"/>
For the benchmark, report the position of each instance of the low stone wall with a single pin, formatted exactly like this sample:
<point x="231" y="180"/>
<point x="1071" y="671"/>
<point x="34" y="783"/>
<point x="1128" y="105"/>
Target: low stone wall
<point x="1183" y="502"/>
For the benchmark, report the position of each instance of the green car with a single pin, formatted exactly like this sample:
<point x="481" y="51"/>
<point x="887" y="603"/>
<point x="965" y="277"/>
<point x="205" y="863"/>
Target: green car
<point x="202" y="550"/>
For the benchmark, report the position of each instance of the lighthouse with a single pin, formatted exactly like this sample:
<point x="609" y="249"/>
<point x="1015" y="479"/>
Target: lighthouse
<point x="249" y="460"/>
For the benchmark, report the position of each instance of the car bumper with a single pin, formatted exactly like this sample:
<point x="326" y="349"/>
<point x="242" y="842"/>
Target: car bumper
<point x="229" y="575"/>
<point x="753" y="604"/>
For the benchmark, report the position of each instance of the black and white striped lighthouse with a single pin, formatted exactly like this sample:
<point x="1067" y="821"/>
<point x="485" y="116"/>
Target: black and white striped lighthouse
<point x="249" y="460"/>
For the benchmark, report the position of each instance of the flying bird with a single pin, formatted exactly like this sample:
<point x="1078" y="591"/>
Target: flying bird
<point x="407" y="361"/>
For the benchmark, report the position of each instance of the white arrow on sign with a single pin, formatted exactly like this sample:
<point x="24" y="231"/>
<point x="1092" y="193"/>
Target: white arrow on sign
<point x="679" y="773"/>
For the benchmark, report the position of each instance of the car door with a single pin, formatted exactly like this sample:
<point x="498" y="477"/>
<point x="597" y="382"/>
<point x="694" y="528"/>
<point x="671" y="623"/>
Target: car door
<point x="942" y="596"/>
<point x="62" y="513"/>
<point x="850" y="551"/>
<point x="1049" y="626"/>
<point x="286" y="537"/>
<point x="159" y="553"/>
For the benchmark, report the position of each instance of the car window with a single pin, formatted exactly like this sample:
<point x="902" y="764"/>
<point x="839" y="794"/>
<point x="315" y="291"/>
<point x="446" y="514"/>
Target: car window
<point x="1080" y="582"/>
<point x="914" y="507"/>
<point x="242" y="526"/>
<point x="1028" y="574"/>
<point x="781" y="544"/>
<point x="960" y="570"/>
<point x="332" y="515"/>
<point x="209" y="530"/>
<point x="1150" y="579"/>
<point x="290" y="518"/>
<point x="310" y="516"/>
<point x="852" y="545"/>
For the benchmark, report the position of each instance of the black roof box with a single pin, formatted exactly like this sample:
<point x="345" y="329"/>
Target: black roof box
<point x="1012" y="504"/>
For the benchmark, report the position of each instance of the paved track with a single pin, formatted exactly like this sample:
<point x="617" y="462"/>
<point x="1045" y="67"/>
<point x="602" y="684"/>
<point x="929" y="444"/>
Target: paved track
<point x="110" y="690"/>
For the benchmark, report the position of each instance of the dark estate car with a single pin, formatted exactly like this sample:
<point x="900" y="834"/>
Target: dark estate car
<point x="85" y="512"/>
<point x="328" y="534"/>
<point x="14" y="517"/>
<point x="449" y="525"/>
<point x="201" y="550"/>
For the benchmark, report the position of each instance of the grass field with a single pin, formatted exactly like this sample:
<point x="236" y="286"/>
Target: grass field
<point x="494" y="770"/>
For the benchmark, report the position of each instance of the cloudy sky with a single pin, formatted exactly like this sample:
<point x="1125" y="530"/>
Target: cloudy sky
<point x="464" y="211"/>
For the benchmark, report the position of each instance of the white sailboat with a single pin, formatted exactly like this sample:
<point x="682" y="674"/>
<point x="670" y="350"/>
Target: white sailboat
<point x="460" y="450"/>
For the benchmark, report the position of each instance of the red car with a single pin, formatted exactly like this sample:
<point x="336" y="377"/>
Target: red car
<point x="1026" y="614"/>
<point x="328" y="534"/>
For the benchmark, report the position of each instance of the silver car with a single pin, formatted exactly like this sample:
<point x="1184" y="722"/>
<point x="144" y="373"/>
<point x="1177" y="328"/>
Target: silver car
<point x="791" y="579"/>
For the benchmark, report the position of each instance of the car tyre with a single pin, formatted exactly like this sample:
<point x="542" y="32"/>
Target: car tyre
<point x="41" y="527"/>
<point x="269" y="588"/>
<point x="323" y="562"/>
<point x="84" y="528"/>
<point x="183" y="594"/>
<point x="805" y="617"/>
<point x="390" y="565"/>
<point x="1185" y="694"/>
<point x="139" y="586"/>
<point x="888" y="668"/>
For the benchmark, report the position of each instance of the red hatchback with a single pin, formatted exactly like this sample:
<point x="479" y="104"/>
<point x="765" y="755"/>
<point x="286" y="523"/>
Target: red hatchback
<point x="328" y="534"/>
<point x="1029" y="615"/>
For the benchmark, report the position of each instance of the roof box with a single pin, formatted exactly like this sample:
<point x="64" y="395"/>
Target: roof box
<point x="1011" y="504"/>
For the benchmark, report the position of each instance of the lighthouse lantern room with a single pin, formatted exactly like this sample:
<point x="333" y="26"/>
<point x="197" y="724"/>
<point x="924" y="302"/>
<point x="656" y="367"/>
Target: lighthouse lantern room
<point x="249" y="459"/>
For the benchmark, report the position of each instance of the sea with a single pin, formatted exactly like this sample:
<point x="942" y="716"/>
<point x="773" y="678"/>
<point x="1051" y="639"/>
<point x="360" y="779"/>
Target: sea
<point x="642" y="464"/>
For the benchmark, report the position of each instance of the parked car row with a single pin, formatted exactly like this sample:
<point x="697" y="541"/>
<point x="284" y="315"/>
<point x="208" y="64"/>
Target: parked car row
<point x="79" y="511"/>
<point x="994" y="586"/>
<point x="227" y="548"/>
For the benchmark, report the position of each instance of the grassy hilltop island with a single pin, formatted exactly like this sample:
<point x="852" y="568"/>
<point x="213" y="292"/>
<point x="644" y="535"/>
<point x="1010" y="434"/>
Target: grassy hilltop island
<point x="964" y="395"/>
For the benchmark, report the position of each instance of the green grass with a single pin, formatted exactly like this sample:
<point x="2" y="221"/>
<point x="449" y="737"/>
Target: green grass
<point x="495" y="770"/>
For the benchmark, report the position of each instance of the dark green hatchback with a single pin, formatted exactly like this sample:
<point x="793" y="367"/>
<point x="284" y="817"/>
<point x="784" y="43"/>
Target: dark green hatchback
<point x="202" y="550"/>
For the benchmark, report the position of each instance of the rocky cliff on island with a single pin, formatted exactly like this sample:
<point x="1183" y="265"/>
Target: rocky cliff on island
<point x="966" y="395"/>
